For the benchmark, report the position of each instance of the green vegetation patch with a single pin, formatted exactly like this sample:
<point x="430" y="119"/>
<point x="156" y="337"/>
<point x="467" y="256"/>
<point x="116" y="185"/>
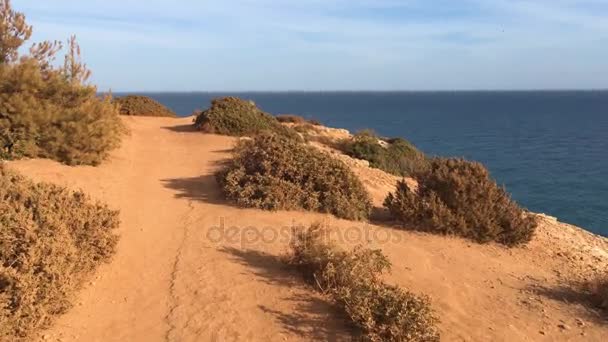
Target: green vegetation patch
<point x="48" y="111"/>
<point x="142" y="106"/>
<point x="396" y="156"/>
<point x="236" y="117"/>
<point x="352" y="279"/>
<point x="51" y="241"/>
<point x="274" y="172"/>
<point x="458" y="197"/>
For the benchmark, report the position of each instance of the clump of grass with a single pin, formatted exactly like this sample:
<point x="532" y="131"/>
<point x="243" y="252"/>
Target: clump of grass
<point x="51" y="241"/>
<point x="396" y="156"/>
<point x="48" y="111"/>
<point x="274" y="172"/>
<point x="458" y="197"/>
<point x="352" y="279"/>
<point x="142" y="106"/>
<point x="236" y="117"/>
<point x="296" y="119"/>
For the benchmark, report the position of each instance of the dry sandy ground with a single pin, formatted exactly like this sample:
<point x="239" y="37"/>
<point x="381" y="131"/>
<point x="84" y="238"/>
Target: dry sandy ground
<point x="178" y="276"/>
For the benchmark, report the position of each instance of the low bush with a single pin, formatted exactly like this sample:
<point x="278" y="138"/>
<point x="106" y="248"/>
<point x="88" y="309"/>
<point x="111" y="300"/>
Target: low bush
<point x="353" y="280"/>
<point x="291" y="118"/>
<point x="236" y="117"/>
<point x="599" y="291"/>
<point x="48" y="111"/>
<point x="397" y="156"/>
<point x="458" y="197"/>
<point x="142" y="106"/>
<point x="42" y="115"/>
<point x="273" y="172"/>
<point x="51" y="240"/>
<point x="296" y="119"/>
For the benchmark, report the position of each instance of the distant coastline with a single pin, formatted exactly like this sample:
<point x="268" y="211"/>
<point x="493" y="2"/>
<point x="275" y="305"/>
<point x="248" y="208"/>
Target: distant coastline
<point x="296" y="91"/>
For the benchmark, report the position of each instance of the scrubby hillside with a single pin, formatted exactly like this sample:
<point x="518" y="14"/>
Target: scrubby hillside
<point x="51" y="240"/>
<point x="142" y="106"/>
<point x="218" y="274"/>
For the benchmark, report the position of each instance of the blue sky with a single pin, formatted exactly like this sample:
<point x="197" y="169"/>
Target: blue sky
<point x="189" y="45"/>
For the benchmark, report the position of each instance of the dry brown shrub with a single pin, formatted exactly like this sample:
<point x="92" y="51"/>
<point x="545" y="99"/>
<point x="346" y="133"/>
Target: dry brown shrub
<point x="458" y="197"/>
<point x="291" y="118"/>
<point x="138" y="105"/>
<point x="599" y="291"/>
<point x="273" y="172"/>
<point x="296" y="119"/>
<point x="51" y="240"/>
<point x="353" y="280"/>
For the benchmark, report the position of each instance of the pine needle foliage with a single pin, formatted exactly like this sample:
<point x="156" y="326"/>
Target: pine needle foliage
<point x="48" y="111"/>
<point x="14" y="31"/>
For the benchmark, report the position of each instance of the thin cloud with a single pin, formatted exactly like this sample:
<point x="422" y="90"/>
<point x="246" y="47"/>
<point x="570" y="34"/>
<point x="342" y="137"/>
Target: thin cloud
<point x="272" y="44"/>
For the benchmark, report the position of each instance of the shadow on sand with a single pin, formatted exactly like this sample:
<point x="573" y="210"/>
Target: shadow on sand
<point x="574" y="295"/>
<point x="181" y="128"/>
<point x="203" y="188"/>
<point x="311" y="316"/>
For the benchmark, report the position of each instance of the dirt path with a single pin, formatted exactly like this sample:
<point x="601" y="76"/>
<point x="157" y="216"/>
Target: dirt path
<point x="179" y="276"/>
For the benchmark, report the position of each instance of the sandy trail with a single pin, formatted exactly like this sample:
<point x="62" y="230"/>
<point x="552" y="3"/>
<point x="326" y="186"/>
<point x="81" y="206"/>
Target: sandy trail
<point x="178" y="276"/>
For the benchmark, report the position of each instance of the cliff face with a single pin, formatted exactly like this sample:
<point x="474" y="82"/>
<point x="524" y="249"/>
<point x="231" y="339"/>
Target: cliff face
<point x="582" y="254"/>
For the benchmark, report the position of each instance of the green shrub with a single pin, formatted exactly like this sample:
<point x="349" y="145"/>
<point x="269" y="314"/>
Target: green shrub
<point x="51" y="240"/>
<point x="398" y="157"/>
<point x="458" y="197"/>
<point x="353" y="280"/>
<point x="236" y="117"/>
<point x="277" y="173"/>
<point x="142" y="106"/>
<point x="51" y="112"/>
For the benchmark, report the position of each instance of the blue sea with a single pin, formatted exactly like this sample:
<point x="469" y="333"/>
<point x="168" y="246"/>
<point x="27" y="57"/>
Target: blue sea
<point x="550" y="149"/>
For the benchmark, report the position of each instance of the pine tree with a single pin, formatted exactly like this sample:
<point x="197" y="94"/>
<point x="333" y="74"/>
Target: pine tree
<point x="48" y="111"/>
<point x="14" y="31"/>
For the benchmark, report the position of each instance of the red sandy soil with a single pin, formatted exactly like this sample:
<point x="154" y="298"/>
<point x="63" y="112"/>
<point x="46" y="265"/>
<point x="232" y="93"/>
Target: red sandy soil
<point x="175" y="279"/>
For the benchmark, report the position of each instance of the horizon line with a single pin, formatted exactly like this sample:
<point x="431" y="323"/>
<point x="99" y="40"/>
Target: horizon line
<point x="361" y="91"/>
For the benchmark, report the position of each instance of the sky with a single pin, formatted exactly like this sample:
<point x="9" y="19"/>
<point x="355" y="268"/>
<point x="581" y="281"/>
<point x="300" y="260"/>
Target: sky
<point x="311" y="45"/>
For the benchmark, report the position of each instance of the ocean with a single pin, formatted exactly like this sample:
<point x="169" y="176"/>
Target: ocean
<point x="550" y="149"/>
